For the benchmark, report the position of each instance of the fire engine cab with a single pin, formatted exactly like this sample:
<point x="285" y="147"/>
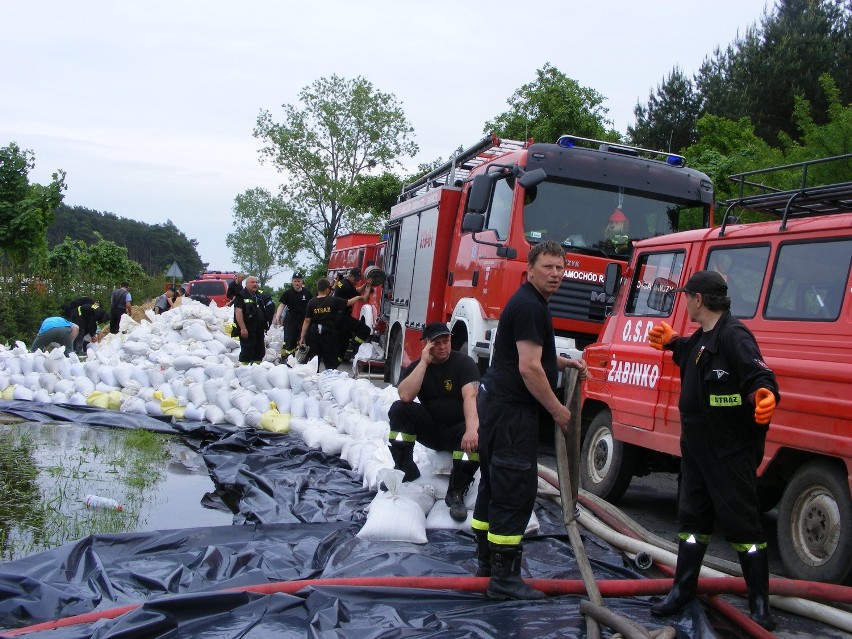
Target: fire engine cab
<point x="459" y="236"/>
<point x="789" y="282"/>
<point x="365" y="251"/>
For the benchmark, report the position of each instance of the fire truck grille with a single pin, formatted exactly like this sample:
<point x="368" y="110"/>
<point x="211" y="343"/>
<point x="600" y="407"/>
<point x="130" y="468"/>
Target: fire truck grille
<point x="579" y="301"/>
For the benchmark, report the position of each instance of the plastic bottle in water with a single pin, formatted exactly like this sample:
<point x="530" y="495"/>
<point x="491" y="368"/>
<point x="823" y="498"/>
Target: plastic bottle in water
<point x="94" y="501"/>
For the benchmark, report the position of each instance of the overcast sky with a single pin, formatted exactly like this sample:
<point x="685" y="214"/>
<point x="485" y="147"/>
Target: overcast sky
<point x="149" y="106"/>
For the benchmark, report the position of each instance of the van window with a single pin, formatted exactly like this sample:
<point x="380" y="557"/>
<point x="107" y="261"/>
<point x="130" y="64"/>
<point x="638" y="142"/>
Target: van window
<point x="208" y="287"/>
<point x="809" y="281"/>
<point x="743" y="268"/>
<point x="657" y="274"/>
<point x="500" y="212"/>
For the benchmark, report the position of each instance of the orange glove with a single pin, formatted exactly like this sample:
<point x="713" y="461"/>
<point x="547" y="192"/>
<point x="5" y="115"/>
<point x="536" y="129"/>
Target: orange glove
<point x="660" y="335"/>
<point x="764" y="405"/>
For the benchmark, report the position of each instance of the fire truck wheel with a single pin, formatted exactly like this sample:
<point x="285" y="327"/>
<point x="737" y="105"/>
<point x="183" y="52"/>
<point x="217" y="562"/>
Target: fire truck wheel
<point x="815" y="524"/>
<point x="606" y="465"/>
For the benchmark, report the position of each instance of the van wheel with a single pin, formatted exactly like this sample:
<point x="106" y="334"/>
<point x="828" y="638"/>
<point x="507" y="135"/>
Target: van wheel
<point x="396" y="362"/>
<point x="606" y="465"/>
<point x="815" y="524"/>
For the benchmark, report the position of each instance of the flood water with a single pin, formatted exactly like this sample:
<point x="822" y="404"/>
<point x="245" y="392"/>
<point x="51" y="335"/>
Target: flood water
<point x="47" y="470"/>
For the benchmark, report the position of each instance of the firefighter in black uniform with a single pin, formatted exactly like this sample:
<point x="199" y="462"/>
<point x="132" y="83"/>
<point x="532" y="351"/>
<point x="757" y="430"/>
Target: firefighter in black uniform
<point x="251" y="322"/>
<point x="295" y="301"/>
<point x="516" y="395"/>
<point x="86" y="313"/>
<point x="727" y="398"/>
<point x="320" y="327"/>
<point x="445" y="382"/>
<point x="352" y="332"/>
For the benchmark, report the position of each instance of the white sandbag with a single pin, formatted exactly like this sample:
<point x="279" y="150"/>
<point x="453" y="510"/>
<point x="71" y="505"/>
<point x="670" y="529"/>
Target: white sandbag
<point x="252" y="418"/>
<point x="195" y="394"/>
<point x="136" y="349"/>
<point x="244" y="374"/>
<point x="439" y="518"/>
<point x="214" y="414"/>
<point x="394" y="518"/>
<point x="195" y="329"/>
<point x="215" y="347"/>
<point x="282" y="398"/>
<point x="32" y="380"/>
<point x="103" y="387"/>
<point x="62" y="386"/>
<point x="122" y="373"/>
<point x="77" y="399"/>
<point x="134" y="405"/>
<point x="332" y="442"/>
<point x="297" y="378"/>
<point x="340" y="391"/>
<point x="314" y="434"/>
<point x="235" y="416"/>
<point x="107" y="376"/>
<point x="222" y="399"/>
<point x="41" y="395"/>
<point x="193" y="413"/>
<point x="197" y="374"/>
<point x="84" y="385"/>
<point x="140" y="375"/>
<point x="185" y="362"/>
<point x="154" y="408"/>
<point x="261" y="402"/>
<point x="330" y="412"/>
<point x="351" y="452"/>
<point x="13" y="365"/>
<point x="226" y="340"/>
<point x="166" y="390"/>
<point x="155" y="377"/>
<point x="441" y="461"/>
<point x="297" y="406"/>
<point x="53" y="361"/>
<point x="28" y="363"/>
<point x="279" y="376"/>
<point x="312" y="408"/>
<point x="91" y="367"/>
<point x="48" y="382"/>
<point x="59" y="398"/>
<point x="260" y="377"/>
<point x="241" y="399"/>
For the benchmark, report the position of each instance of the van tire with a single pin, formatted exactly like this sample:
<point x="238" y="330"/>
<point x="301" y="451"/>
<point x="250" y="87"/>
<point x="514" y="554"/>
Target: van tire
<point x="815" y="524"/>
<point x="606" y="465"/>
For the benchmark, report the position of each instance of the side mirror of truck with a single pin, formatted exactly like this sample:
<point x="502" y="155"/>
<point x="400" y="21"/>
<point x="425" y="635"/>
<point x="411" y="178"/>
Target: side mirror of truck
<point x="612" y="277"/>
<point x="532" y="178"/>
<point x="480" y="192"/>
<point x="661" y="297"/>
<point x="473" y="222"/>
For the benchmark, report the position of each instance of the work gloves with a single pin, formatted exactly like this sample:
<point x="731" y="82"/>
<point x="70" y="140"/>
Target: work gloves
<point x="659" y="336"/>
<point x="764" y="405"/>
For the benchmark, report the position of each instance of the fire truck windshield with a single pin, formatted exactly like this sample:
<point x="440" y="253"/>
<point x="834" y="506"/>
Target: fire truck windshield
<point x="593" y="218"/>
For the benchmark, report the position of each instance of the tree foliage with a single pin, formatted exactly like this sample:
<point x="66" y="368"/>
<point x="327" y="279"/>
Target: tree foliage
<point x="259" y="243"/>
<point x="553" y="105"/>
<point x="668" y="121"/>
<point x="341" y="130"/>
<point x="153" y="246"/>
<point x="26" y="210"/>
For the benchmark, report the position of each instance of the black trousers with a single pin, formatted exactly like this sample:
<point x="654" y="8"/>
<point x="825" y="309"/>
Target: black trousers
<point x="349" y="328"/>
<point x="253" y="347"/>
<point x="322" y="339"/>
<point x="115" y="319"/>
<point x="721" y="488"/>
<point x="508" y="454"/>
<point x="292" y="330"/>
<point x="411" y="418"/>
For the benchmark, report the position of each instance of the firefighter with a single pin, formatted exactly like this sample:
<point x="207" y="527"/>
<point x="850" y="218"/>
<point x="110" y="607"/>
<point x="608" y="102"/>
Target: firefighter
<point x="517" y="394"/>
<point x="727" y="398"/>
<point x="445" y="381"/>
<point x="86" y="313"/>
<point x="320" y="327"/>
<point x="295" y="300"/>
<point x="352" y="333"/>
<point x="251" y="322"/>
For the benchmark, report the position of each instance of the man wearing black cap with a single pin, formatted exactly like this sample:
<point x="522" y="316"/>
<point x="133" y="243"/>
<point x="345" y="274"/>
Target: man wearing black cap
<point x="294" y="300"/>
<point x="727" y="398"/>
<point x="445" y="381"/>
<point x="352" y="333"/>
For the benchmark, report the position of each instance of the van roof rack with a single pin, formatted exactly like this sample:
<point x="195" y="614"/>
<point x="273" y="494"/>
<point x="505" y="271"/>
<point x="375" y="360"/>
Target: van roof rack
<point x="803" y="201"/>
<point x="459" y="166"/>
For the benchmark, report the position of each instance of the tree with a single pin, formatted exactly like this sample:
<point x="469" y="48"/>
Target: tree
<point x="551" y="106"/>
<point x="759" y="75"/>
<point x="375" y="195"/>
<point x="343" y="130"/>
<point x="260" y="244"/>
<point x="26" y="210"/>
<point x="668" y="121"/>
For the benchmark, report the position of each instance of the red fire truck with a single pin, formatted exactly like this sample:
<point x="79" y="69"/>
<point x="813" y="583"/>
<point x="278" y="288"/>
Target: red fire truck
<point x="362" y="250"/>
<point x="459" y="236"/>
<point x="789" y="282"/>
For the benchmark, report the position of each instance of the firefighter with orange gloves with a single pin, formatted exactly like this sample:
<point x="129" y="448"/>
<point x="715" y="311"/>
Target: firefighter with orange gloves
<point x="727" y="398"/>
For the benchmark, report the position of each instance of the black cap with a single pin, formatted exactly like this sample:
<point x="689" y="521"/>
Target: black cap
<point x="355" y="272"/>
<point x="435" y="329"/>
<point x="298" y="275"/>
<point x="706" y="283"/>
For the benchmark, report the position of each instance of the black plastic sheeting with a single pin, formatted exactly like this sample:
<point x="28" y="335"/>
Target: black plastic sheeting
<point x="297" y="513"/>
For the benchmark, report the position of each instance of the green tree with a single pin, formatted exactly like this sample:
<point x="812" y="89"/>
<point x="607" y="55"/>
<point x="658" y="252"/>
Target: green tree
<point x="343" y="130"/>
<point x="553" y="105"/>
<point x="668" y="121"/>
<point x="259" y="243"/>
<point x="26" y="210"/>
<point x="374" y="195"/>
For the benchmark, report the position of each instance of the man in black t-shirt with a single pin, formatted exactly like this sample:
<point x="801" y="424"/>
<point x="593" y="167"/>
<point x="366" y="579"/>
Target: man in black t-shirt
<point x="445" y="382"/>
<point x="517" y="394"/>
<point x="295" y="300"/>
<point x="319" y="328"/>
<point x="248" y="314"/>
<point x="352" y="332"/>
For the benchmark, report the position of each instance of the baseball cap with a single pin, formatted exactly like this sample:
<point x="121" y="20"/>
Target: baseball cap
<point x="298" y="275"/>
<point x="706" y="283"/>
<point x="435" y="329"/>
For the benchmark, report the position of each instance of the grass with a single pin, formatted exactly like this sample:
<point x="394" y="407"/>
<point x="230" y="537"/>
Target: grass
<point x="47" y="469"/>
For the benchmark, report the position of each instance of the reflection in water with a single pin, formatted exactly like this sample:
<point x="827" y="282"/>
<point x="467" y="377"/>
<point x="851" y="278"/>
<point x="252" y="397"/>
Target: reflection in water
<point x="46" y="470"/>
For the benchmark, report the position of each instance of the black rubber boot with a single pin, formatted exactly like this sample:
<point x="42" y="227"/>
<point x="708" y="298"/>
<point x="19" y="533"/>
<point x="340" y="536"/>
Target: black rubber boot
<point x="689" y="559"/>
<point x="483" y="554"/>
<point x="461" y="478"/>
<point x="756" y="574"/>
<point x="506" y="582"/>
<point x="403" y="459"/>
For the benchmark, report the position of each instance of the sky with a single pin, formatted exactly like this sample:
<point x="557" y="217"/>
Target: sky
<point x="149" y="106"/>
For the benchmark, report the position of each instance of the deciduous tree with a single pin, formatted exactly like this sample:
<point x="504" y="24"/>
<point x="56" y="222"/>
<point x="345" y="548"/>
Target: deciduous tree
<point x="260" y="243"/>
